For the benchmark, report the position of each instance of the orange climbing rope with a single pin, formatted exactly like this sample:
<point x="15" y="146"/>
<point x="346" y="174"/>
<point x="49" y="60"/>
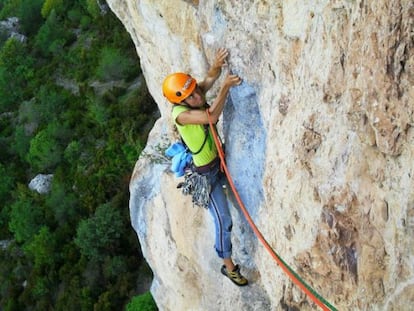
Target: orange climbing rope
<point x="293" y="276"/>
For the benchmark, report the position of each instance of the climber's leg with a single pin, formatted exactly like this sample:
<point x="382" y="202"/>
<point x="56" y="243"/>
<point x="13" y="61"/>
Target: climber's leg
<point x="219" y="209"/>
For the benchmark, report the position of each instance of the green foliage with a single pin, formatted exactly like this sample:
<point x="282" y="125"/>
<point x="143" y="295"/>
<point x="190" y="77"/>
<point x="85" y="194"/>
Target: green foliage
<point x="11" y="305"/>
<point x="74" y="16"/>
<point x="98" y="112"/>
<point x="29" y="15"/>
<point x="73" y="152"/>
<point x="41" y="288"/>
<point x="62" y="201"/>
<point x="46" y="148"/>
<point x="143" y="302"/>
<point x="9" y="8"/>
<point x="77" y="298"/>
<point x="6" y="183"/>
<point x="42" y="248"/>
<point x="50" y="103"/>
<point x="72" y="255"/>
<point x="100" y="234"/>
<point x="26" y="216"/>
<point x="16" y="67"/>
<point x="6" y="187"/>
<point x="114" y="66"/>
<point x="3" y="36"/>
<point x="52" y="36"/>
<point x="93" y="8"/>
<point x="114" y="266"/>
<point x="21" y="142"/>
<point x="49" y="5"/>
<point x="85" y="22"/>
<point x="131" y="148"/>
<point x="12" y="275"/>
<point x="29" y="115"/>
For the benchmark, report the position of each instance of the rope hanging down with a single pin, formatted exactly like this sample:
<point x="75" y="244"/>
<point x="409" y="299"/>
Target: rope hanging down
<point x="319" y="300"/>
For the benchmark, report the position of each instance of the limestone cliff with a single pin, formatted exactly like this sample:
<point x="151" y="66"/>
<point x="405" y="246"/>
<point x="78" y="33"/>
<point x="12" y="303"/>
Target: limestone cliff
<point x="320" y="143"/>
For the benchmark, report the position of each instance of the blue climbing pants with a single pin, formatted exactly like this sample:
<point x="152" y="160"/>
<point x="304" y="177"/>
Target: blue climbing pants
<point x="219" y="209"/>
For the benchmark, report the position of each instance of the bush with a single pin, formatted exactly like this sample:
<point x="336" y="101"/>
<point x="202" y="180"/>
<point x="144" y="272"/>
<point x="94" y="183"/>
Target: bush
<point x="100" y="234"/>
<point x="26" y="216"/>
<point x="46" y="148"/>
<point x="143" y="302"/>
<point x="113" y="65"/>
<point x="93" y="8"/>
<point x="98" y="112"/>
<point x="52" y="36"/>
<point x="114" y="267"/>
<point x="30" y="16"/>
<point x="42" y="248"/>
<point x="3" y="36"/>
<point x="50" y="102"/>
<point x="6" y="183"/>
<point x="9" y="8"/>
<point x="62" y="201"/>
<point x="21" y="142"/>
<point x="16" y="68"/>
<point x="50" y="5"/>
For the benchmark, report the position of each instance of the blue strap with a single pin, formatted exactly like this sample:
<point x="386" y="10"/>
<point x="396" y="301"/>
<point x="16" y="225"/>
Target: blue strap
<point x="181" y="158"/>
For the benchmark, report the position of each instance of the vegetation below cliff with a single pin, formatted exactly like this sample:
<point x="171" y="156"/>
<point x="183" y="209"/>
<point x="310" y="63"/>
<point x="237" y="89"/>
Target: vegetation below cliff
<point x="72" y="105"/>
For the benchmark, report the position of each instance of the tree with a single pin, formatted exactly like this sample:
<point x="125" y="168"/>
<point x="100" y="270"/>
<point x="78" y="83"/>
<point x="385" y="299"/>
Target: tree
<point x="30" y="16"/>
<point x="9" y="8"/>
<point x="76" y="297"/>
<point x="113" y="65"/>
<point x="143" y="302"/>
<point x="21" y="142"/>
<point x="52" y="36"/>
<point x="46" y="148"/>
<point x="100" y="234"/>
<point x="42" y="248"/>
<point x="16" y="68"/>
<point x="98" y="112"/>
<point x="114" y="267"/>
<point x="26" y="216"/>
<point x="6" y="183"/>
<point x="50" y="5"/>
<point x="50" y="103"/>
<point x="93" y="8"/>
<point x="12" y="275"/>
<point x="62" y="202"/>
<point x="6" y="186"/>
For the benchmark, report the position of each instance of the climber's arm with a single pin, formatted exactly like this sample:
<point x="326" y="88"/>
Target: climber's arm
<point x="218" y="104"/>
<point x="214" y="71"/>
<point x="196" y="116"/>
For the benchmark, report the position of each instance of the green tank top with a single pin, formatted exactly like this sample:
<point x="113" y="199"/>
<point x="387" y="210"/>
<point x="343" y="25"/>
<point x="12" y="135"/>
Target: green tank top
<point x="194" y="136"/>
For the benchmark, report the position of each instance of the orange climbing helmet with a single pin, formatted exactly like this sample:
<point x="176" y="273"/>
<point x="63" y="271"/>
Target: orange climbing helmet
<point x="178" y="86"/>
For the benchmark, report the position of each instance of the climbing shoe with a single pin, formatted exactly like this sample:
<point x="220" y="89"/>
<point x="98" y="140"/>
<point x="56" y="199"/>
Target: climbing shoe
<point x="235" y="275"/>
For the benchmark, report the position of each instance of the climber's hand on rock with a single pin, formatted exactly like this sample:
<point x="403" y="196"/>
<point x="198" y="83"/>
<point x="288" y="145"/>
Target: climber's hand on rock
<point x="221" y="58"/>
<point x="232" y="80"/>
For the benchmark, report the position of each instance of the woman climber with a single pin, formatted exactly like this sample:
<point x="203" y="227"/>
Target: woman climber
<point x="191" y="118"/>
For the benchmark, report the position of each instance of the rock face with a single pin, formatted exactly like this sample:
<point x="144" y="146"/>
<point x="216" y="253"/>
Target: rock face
<point x="320" y="143"/>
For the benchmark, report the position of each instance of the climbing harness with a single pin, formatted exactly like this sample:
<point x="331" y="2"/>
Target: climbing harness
<point x="319" y="300"/>
<point x="195" y="183"/>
